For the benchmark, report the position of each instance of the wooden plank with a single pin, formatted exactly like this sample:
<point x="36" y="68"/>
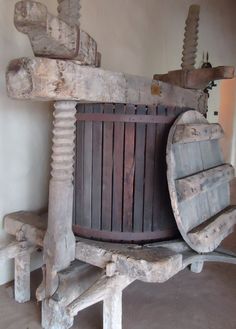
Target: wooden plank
<point x="209" y="179"/>
<point x="149" y="174"/>
<point x="97" y="171"/>
<point x="79" y="172"/>
<point x="196" y="78"/>
<point x="140" y="141"/>
<point x="209" y="191"/>
<point x="129" y="163"/>
<point x="48" y="79"/>
<point x="107" y="171"/>
<point x="117" y="208"/>
<point x="53" y="37"/>
<point x="22" y="277"/>
<point x="87" y="158"/>
<point x="214" y="230"/>
<point x="188" y="133"/>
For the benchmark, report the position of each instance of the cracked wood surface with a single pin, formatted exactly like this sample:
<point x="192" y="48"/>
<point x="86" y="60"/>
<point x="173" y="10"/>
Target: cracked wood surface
<point x="49" y="79"/>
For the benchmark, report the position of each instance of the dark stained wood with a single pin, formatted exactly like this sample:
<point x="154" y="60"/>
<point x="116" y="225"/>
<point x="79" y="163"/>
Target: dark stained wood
<point x="149" y="174"/>
<point x="87" y="159"/>
<point x="140" y="142"/>
<point x="107" y="171"/>
<point x="128" y="173"/>
<point x="118" y="163"/>
<point x="79" y="172"/>
<point x="129" y="193"/>
<point x="97" y="170"/>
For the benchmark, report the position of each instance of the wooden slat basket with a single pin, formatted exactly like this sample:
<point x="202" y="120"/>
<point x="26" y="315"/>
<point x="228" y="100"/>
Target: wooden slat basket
<point x="121" y="191"/>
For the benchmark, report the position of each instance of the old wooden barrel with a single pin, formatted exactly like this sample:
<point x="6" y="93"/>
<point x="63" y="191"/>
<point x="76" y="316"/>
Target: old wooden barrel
<point x="121" y="191"/>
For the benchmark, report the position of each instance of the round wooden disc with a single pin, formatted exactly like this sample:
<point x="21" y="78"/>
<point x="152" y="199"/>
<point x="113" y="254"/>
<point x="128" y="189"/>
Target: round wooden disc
<point x="198" y="181"/>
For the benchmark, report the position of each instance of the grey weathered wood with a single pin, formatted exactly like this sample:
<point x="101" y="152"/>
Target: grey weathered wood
<point x="15" y="248"/>
<point x="22" y="277"/>
<point x="69" y="11"/>
<point x="198" y="205"/>
<point x="112" y="310"/>
<point x="59" y="241"/>
<point x="209" y="179"/>
<point x="214" y="230"/>
<point x="197" y="267"/>
<point x="49" y="79"/>
<point x="54" y="37"/>
<point x="188" y="133"/>
<point x="138" y="263"/>
<point x="26" y="226"/>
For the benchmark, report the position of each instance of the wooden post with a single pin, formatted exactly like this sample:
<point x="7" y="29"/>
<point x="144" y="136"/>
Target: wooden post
<point x="196" y="267"/>
<point x="22" y="277"/>
<point x="112" y="311"/>
<point x="59" y="242"/>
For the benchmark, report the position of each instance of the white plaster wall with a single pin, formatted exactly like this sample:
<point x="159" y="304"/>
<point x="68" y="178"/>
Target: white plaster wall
<point x="136" y="36"/>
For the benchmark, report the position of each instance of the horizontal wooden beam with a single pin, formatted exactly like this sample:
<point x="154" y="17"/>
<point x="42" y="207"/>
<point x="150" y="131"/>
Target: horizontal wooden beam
<point x="210" y="233"/>
<point x="191" y="186"/>
<point x="53" y="37"/>
<point x="14" y="249"/>
<point x="48" y="79"/>
<point x="188" y="133"/>
<point x="196" y="78"/>
<point x="26" y="226"/>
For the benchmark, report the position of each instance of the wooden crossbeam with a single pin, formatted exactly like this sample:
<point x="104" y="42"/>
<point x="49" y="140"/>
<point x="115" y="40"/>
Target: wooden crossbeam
<point x="210" y="233"/>
<point x="188" y="133"/>
<point x="48" y="79"/>
<point x="52" y="36"/>
<point x="191" y="186"/>
<point x="196" y="78"/>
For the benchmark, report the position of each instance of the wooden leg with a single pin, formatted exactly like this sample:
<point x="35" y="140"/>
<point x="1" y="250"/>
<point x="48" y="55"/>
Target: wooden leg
<point x="112" y="311"/>
<point x="54" y="316"/>
<point x="196" y="267"/>
<point x="22" y="277"/>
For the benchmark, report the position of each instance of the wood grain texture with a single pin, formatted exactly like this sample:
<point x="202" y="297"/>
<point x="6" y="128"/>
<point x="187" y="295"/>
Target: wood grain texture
<point x="197" y="132"/>
<point x="48" y="79"/>
<point x="198" y="183"/>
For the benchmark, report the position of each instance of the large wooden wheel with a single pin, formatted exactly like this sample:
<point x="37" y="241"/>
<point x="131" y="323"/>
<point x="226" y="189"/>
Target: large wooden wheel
<point x="198" y="181"/>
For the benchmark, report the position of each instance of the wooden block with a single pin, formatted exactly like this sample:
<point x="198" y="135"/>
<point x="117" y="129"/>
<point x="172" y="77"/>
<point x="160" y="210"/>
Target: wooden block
<point x="190" y="186"/>
<point x="209" y="234"/>
<point x="188" y="133"/>
<point x="196" y="78"/>
<point x="54" y="37"/>
<point x="49" y="79"/>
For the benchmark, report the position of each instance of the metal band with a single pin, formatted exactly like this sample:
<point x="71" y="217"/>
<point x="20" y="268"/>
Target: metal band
<point x="98" y="117"/>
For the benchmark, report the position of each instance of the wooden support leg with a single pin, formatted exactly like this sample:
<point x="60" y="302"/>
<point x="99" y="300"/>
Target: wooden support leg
<point x="196" y="267"/>
<point x="112" y="311"/>
<point x="54" y="316"/>
<point x="59" y="241"/>
<point x="22" y="277"/>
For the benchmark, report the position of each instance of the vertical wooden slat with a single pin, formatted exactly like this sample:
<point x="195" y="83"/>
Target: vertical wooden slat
<point x="79" y="178"/>
<point x="88" y="148"/>
<point x="140" y="140"/>
<point x="107" y="171"/>
<point x="117" y="209"/>
<point x="149" y="174"/>
<point x="128" y="172"/>
<point x="97" y="171"/>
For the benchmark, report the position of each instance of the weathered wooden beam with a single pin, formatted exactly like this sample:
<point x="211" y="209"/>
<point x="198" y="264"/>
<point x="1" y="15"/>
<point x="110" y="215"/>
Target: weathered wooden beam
<point x="22" y="277"/>
<point x="214" y="230"/>
<point x="26" y="226"/>
<point x="69" y="11"/>
<point x="54" y="37"/>
<point x="59" y="241"/>
<point x="196" y="78"/>
<point x="48" y="79"/>
<point x="14" y="249"/>
<point x="188" y="133"/>
<point x="99" y="291"/>
<point x="191" y="186"/>
<point x="112" y="310"/>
